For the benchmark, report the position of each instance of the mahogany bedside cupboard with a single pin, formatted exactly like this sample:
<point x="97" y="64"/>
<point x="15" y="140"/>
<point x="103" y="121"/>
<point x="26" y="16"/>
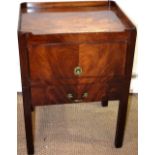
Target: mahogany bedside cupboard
<point x="74" y="52"/>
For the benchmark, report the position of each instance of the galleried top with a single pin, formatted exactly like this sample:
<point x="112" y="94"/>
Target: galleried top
<point x="72" y="17"/>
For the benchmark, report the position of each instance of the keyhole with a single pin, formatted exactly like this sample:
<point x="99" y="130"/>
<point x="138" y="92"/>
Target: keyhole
<point x="78" y="70"/>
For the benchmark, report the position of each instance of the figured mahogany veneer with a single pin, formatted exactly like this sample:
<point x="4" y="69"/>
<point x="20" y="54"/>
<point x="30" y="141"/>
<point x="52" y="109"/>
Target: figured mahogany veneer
<point x="74" y="52"/>
<point x="54" y="64"/>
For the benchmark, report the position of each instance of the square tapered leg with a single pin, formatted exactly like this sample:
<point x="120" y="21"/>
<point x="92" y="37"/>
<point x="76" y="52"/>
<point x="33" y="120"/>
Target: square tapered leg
<point x="28" y="121"/>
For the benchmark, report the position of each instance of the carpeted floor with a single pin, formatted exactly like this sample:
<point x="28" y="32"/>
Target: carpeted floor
<point x="79" y="129"/>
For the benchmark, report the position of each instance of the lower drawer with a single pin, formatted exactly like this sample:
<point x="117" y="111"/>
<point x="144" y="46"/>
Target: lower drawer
<point x="59" y="94"/>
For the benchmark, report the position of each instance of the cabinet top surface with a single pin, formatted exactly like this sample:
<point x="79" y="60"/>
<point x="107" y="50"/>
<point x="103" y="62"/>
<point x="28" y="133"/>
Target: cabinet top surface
<point x="72" y="17"/>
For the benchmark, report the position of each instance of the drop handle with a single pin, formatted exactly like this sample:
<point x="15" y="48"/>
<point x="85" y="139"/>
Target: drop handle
<point x="85" y="95"/>
<point x="70" y="96"/>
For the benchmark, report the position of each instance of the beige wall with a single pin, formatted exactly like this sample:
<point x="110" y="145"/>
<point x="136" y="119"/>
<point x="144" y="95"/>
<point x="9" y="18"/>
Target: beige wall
<point x="135" y="65"/>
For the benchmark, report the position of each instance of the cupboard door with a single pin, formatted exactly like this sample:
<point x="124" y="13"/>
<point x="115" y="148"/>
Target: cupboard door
<point x="102" y="59"/>
<point x="49" y="62"/>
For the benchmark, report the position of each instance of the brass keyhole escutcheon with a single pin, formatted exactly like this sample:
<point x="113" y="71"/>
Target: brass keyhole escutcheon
<point x="77" y="71"/>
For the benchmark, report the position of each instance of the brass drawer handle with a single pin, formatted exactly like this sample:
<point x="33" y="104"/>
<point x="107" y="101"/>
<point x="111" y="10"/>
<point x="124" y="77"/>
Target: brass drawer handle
<point x="70" y="96"/>
<point x="85" y="95"/>
<point x="78" y="71"/>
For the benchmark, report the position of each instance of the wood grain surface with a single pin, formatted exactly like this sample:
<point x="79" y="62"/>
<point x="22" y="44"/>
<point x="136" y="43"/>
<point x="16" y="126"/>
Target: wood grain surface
<point x="56" y="39"/>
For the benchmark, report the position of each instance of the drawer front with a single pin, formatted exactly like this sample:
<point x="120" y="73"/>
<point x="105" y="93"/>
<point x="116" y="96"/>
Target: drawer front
<point x="58" y="94"/>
